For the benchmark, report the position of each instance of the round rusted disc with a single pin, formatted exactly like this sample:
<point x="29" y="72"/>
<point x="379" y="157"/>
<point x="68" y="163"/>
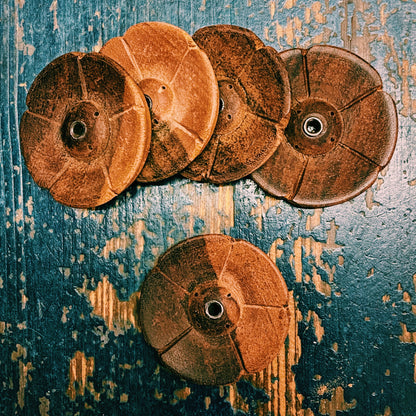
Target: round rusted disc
<point x="86" y="133"/>
<point x="254" y="104"/>
<point x="180" y="86"/>
<point x="215" y="308"/>
<point x="342" y="130"/>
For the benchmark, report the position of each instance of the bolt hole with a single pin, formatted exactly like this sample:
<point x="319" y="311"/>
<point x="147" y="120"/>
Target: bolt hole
<point x="299" y="111"/>
<point x="78" y="130"/>
<point x="332" y="113"/>
<point x="89" y="147"/>
<point x="196" y="294"/>
<point x="163" y="87"/>
<point x="229" y="116"/>
<point x="296" y="146"/>
<point x="229" y="295"/>
<point x="227" y="325"/>
<point x="332" y="139"/>
<point x="214" y="309"/>
<point x="312" y="126"/>
<point x="96" y="114"/>
<point x="155" y="121"/>
<point x="230" y="87"/>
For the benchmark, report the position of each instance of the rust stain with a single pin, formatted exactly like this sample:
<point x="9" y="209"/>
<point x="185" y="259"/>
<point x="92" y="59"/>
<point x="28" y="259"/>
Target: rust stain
<point x="336" y="404"/>
<point x="207" y="402"/>
<point x="118" y="315"/>
<point x="124" y="398"/>
<point x="80" y="369"/>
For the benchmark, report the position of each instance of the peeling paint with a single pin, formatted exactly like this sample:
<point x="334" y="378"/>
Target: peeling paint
<point x="407" y="337"/>
<point x="44" y="406"/>
<point x="336" y="404"/>
<point x="20" y="356"/>
<point x="54" y="8"/>
<point x="118" y="315"/>
<point x="81" y="369"/>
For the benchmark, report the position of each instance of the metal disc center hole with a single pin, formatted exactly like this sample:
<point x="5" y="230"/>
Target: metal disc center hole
<point x="313" y="126"/>
<point x="148" y="101"/>
<point x="214" y="309"/>
<point x="78" y="130"/>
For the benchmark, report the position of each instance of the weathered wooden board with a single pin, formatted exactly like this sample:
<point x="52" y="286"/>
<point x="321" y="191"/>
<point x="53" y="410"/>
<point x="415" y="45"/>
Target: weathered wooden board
<point x="69" y="343"/>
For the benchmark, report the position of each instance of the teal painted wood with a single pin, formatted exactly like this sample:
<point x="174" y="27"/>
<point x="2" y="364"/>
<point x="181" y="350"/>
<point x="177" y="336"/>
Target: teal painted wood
<point x="52" y="258"/>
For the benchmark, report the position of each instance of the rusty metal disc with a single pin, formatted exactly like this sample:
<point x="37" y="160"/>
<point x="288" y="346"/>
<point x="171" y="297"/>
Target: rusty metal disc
<point x="342" y="130"/>
<point x="180" y="87"/>
<point x="214" y="308"/>
<point x="254" y="104"/>
<point x="86" y="133"/>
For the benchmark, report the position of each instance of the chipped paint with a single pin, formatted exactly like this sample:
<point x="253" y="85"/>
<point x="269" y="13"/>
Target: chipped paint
<point x="20" y="356"/>
<point x="81" y="369"/>
<point x="44" y="406"/>
<point x="182" y="394"/>
<point x="54" y="9"/>
<point x="305" y="247"/>
<point x="336" y="404"/>
<point x="407" y="337"/>
<point x="121" y="242"/>
<point x="118" y="315"/>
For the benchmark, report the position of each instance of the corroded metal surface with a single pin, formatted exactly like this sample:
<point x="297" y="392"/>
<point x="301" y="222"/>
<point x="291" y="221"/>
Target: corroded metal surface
<point x="69" y="342"/>
<point x="215" y="308"/>
<point x="180" y="85"/>
<point x="254" y="104"/>
<point x="86" y="134"/>
<point x="342" y="130"/>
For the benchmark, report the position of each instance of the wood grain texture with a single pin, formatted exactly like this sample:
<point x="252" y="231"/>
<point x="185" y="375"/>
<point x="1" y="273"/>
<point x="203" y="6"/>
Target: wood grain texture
<point x="69" y="277"/>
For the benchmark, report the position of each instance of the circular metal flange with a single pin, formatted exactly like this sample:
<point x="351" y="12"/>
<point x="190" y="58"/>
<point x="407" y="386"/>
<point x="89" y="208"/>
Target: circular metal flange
<point x="342" y="130"/>
<point x="254" y="104"/>
<point x="181" y="89"/>
<point x="86" y="133"/>
<point x="214" y="308"/>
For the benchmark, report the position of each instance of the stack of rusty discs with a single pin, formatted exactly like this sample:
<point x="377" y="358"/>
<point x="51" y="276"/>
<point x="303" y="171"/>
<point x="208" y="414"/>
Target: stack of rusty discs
<point x="311" y="126"/>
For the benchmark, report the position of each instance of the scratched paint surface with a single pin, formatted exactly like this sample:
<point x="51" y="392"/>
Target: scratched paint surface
<point x="69" y="341"/>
